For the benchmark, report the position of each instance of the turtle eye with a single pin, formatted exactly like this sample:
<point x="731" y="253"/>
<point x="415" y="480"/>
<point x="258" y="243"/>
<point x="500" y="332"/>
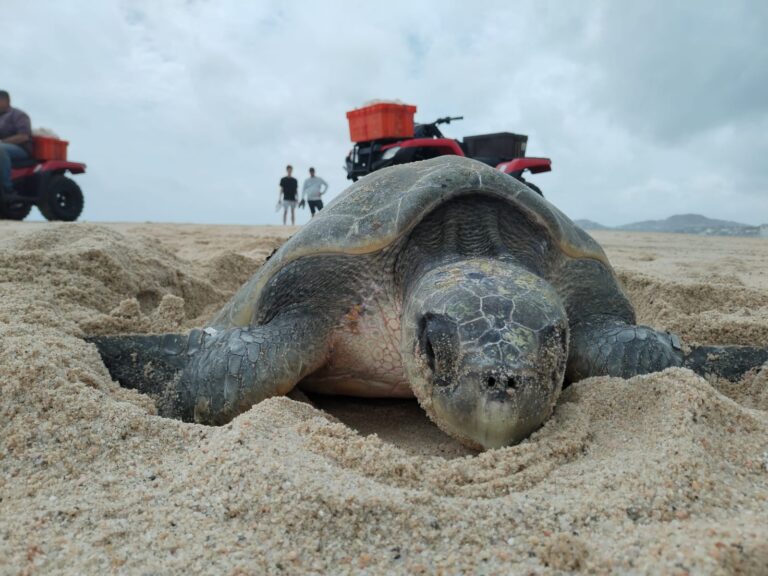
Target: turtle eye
<point x="429" y="354"/>
<point x="437" y="342"/>
<point x="425" y="343"/>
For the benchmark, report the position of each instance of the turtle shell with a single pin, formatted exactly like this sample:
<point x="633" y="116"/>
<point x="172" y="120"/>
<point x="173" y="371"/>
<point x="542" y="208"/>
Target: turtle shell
<point x="382" y="207"/>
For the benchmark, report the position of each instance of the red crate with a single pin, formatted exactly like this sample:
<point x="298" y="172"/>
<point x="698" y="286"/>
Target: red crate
<point x="49" y="148"/>
<point x="384" y="120"/>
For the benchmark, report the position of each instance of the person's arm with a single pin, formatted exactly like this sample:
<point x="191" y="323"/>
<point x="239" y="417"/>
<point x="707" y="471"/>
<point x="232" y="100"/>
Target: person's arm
<point x="17" y="139"/>
<point x="23" y="129"/>
<point x="304" y="189"/>
<point x="324" y="184"/>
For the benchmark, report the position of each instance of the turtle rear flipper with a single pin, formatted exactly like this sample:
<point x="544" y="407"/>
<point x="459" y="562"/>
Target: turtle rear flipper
<point x="729" y="362"/>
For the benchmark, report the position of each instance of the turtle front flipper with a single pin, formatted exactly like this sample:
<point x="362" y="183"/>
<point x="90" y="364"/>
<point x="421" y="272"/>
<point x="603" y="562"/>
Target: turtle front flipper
<point x="617" y="348"/>
<point x="148" y="363"/>
<point x="212" y="375"/>
<point x="729" y="362"/>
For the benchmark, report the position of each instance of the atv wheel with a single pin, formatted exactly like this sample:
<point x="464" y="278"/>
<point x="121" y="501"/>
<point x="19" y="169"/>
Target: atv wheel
<point x="529" y="184"/>
<point x="62" y="199"/>
<point x="14" y="210"/>
<point x="534" y="188"/>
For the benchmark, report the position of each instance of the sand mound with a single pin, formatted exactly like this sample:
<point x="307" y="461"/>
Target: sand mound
<point x="702" y="312"/>
<point x="661" y="473"/>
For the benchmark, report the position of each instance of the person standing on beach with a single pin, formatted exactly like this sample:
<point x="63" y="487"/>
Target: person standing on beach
<point x="289" y="189"/>
<point x="313" y="190"/>
<point x="15" y="138"/>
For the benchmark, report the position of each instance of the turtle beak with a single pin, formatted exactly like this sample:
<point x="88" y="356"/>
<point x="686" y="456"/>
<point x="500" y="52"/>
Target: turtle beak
<point x="510" y="407"/>
<point x="497" y="406"/>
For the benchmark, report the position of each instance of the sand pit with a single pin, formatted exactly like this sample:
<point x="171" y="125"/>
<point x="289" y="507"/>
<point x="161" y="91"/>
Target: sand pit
<point x="666" y="473"/>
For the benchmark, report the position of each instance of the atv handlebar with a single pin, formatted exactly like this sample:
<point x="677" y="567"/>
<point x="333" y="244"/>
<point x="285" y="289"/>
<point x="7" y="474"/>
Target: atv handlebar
<point x="431" y="130"/>
<point x="447" y="119"/>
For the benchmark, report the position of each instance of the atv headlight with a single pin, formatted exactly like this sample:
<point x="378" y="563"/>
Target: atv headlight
<point x="389" y="153"/>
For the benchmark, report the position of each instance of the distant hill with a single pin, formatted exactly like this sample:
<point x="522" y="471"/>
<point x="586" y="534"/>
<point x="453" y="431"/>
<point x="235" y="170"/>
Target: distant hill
<point x="688" y="224"/>
<point x="590" y="225"/>
<point x="684" y="224"/>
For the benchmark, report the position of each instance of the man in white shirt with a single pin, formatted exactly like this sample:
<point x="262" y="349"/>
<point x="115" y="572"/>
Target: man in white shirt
<point x="313" y="190"/>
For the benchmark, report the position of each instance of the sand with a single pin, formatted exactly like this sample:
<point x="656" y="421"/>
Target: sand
<point x="666" y="473"/>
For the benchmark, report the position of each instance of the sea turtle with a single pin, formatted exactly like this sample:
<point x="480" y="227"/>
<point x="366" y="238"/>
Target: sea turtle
<point x="443" y="279"/>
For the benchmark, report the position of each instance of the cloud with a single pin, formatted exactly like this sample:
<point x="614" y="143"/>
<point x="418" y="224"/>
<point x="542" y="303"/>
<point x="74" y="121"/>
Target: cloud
<point x="672" y="72"/>
<point x="189" y="110"/>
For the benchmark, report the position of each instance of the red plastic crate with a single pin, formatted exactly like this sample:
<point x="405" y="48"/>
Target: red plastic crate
<point x="384" y="120"/>
<point x="49" y="148"/>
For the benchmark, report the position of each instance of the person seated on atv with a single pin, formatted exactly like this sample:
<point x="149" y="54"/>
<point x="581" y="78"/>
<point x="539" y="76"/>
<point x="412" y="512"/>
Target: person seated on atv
<point x="15" y="138"/>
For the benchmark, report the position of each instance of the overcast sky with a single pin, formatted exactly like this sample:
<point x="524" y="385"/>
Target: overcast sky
<point x="188" y="110"/>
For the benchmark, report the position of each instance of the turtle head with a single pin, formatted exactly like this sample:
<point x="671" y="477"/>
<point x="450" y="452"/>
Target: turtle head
<point x="485" y="344"/>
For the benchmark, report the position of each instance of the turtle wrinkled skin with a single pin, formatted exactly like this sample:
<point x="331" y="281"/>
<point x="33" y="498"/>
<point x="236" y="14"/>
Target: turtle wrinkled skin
<point x="445" y="280"/>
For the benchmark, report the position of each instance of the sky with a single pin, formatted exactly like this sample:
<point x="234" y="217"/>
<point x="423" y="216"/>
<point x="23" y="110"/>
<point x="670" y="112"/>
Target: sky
<point x="189" y="110"/>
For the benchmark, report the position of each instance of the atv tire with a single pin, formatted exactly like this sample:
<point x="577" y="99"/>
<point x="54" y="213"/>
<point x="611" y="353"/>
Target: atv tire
<point x="529" y="185"/>
<point x="14" y="210"/>
<point x="534" y="188"/>
<point x="62" y="199"/>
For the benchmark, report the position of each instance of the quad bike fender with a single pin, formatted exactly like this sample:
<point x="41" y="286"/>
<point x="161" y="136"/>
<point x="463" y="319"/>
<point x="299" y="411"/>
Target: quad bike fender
<point x="445" y="146"/>
<point x="48" y="166"/>
<point x="518" y="165"/>
<point x="62" y="166"/>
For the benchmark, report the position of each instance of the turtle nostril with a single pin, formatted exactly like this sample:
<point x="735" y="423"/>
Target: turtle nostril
<point x="490" y="382"/>
<point x="512" y="383"/>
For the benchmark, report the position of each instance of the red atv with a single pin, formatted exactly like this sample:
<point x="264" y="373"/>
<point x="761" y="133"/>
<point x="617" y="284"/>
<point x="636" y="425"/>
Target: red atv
<point x="504" y="150"/>
<point x="42" y="181"/>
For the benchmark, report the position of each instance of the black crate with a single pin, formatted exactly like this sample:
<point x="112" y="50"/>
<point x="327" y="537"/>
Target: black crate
<point x="502" y="144"/>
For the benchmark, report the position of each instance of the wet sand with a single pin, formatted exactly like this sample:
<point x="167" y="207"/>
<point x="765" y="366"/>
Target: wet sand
<point x="666" y="473"/>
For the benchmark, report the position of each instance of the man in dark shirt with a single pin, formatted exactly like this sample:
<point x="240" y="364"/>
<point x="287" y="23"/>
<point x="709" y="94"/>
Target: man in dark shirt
<point x="288" y="192"/>
<point x="15" y="138"/>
